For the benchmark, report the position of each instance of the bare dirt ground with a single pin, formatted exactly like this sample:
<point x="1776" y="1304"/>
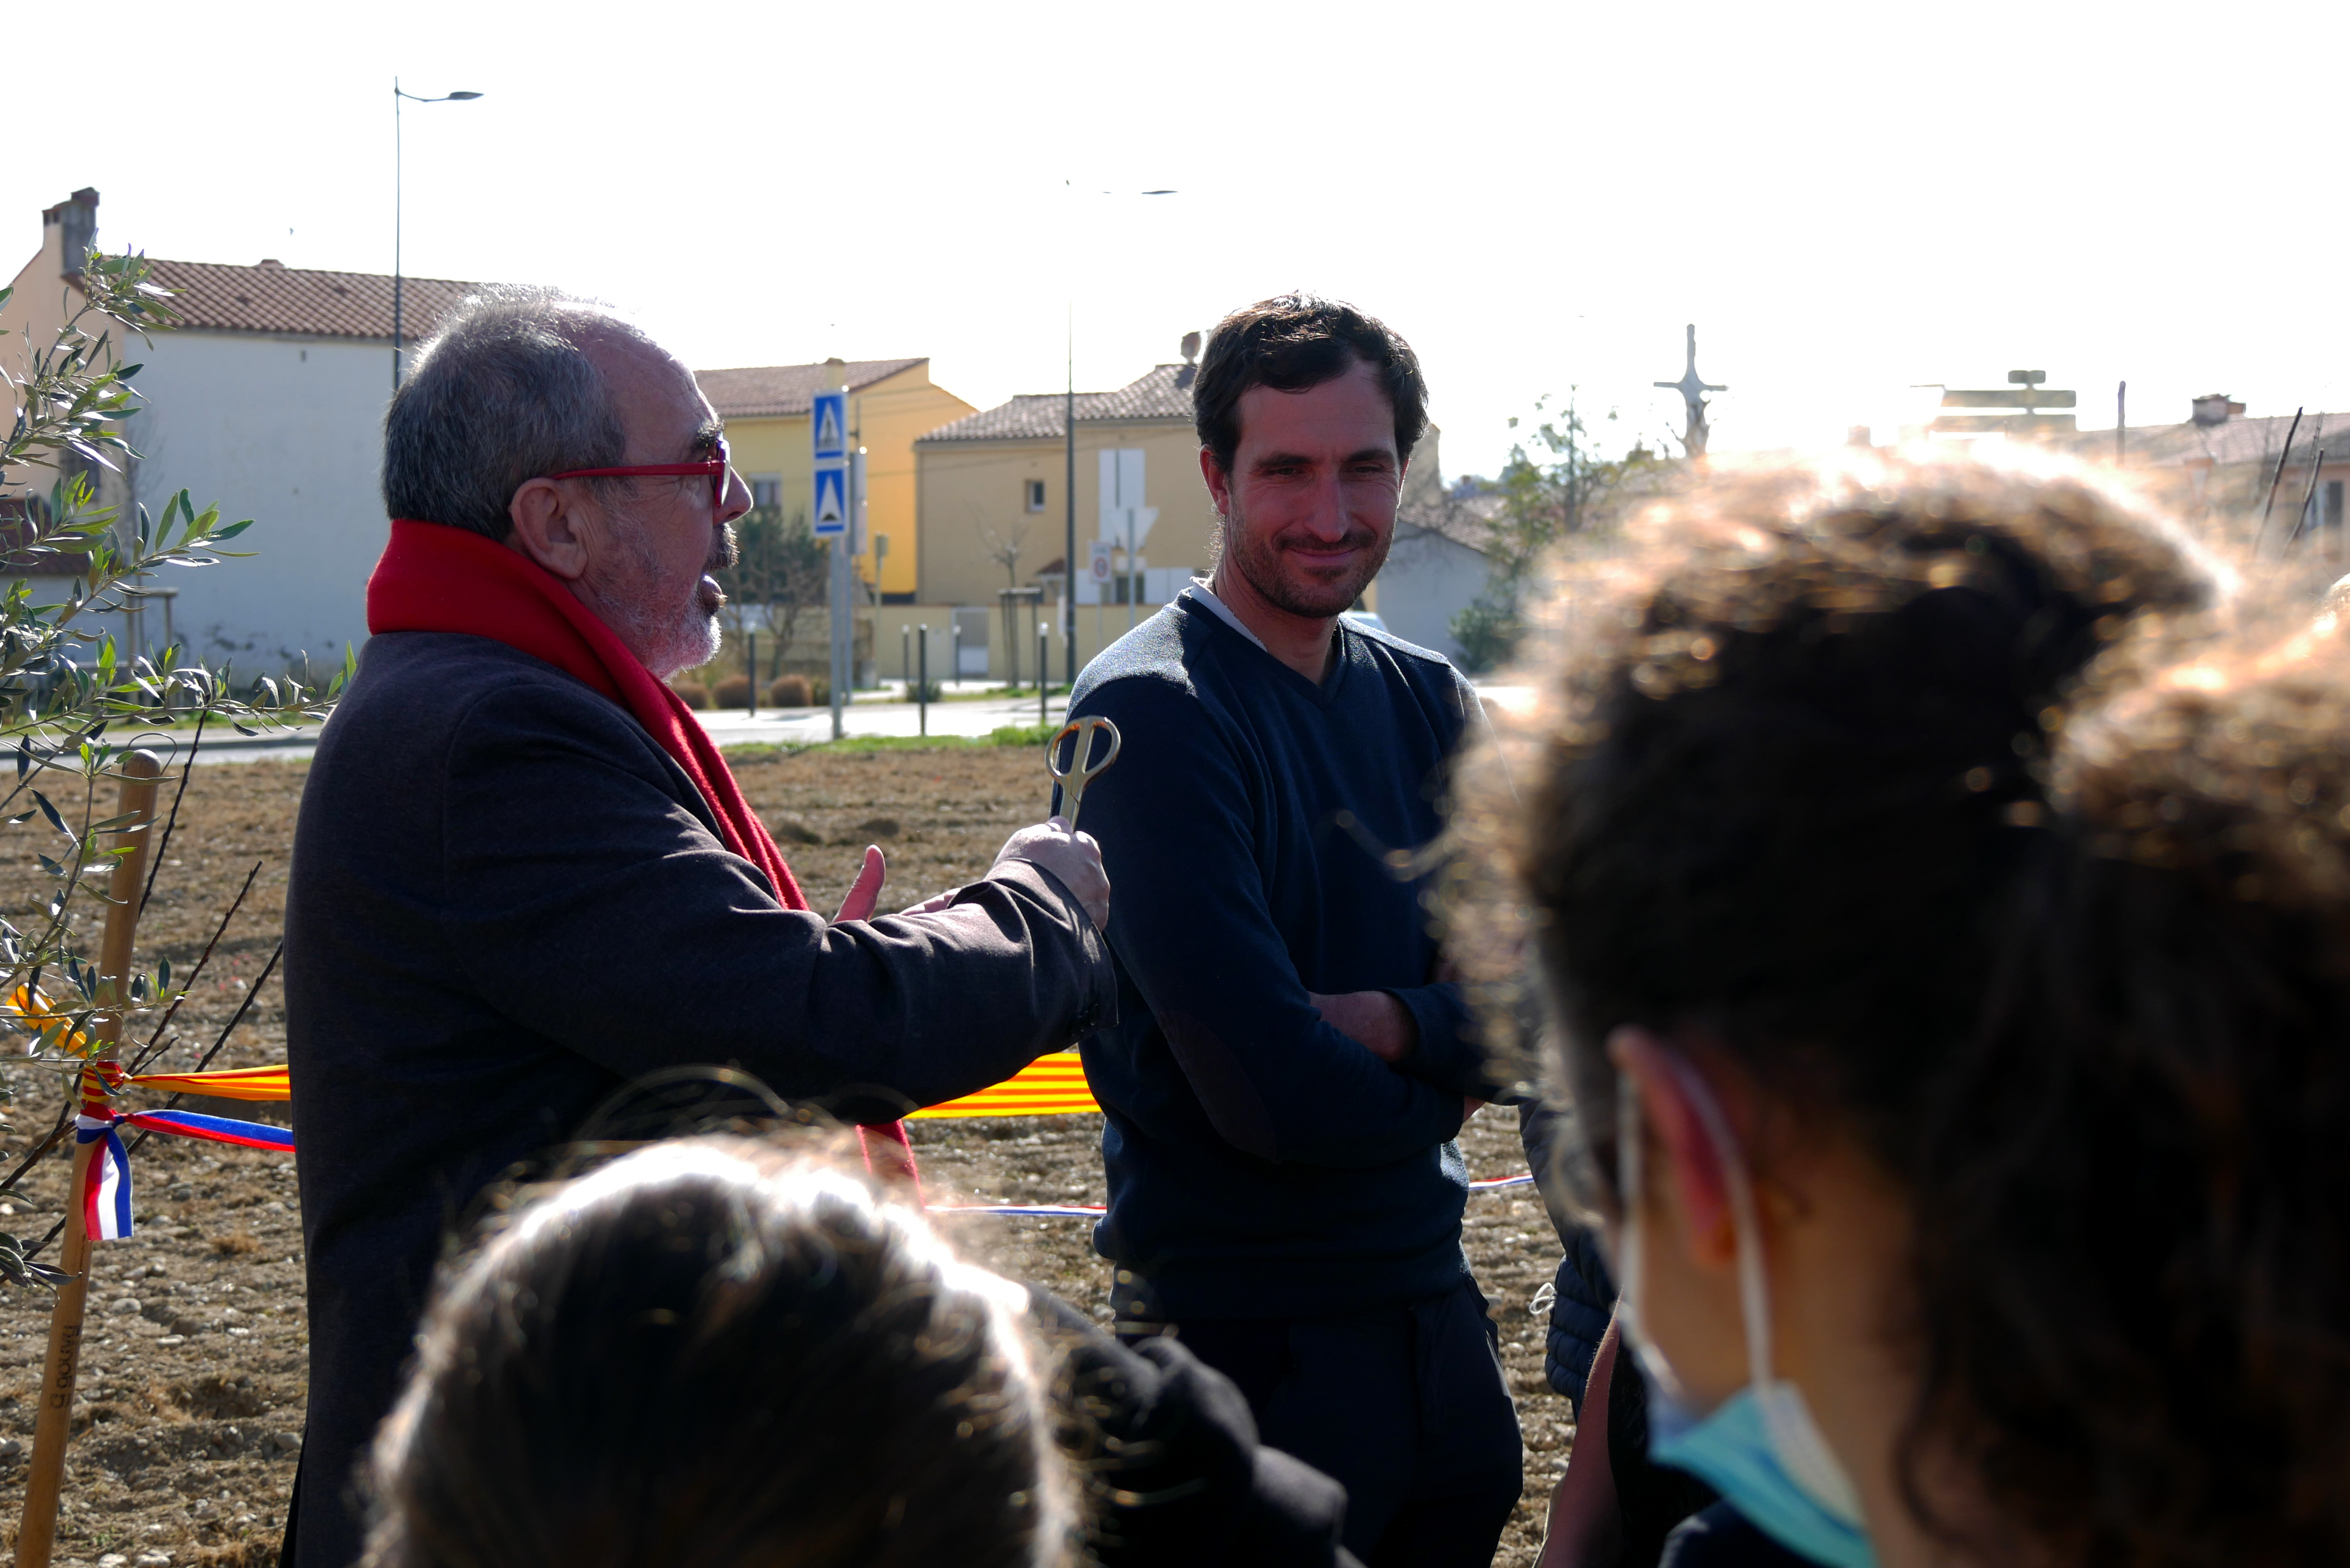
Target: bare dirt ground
<point x="190" y="1401"/>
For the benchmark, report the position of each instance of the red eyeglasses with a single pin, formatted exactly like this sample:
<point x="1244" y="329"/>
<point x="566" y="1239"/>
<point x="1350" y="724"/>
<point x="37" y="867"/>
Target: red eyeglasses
<point x="714" y="466"/>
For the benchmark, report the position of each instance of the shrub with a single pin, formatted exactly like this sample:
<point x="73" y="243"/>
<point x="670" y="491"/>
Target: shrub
<point x="916" y="691"/>
<point x="735" y="691"/>
<point x="71" y="697"/>
<point x="696" y="695"/>
<point x="800" y="692"/>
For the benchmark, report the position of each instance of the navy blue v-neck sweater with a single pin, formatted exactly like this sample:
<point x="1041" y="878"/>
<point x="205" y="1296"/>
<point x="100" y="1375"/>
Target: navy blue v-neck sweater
<point x="1260" y="1163"/>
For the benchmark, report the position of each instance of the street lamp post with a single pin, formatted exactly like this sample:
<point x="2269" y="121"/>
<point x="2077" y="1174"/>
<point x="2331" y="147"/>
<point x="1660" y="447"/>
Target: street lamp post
<point x="1069" y="484"/>
<point x="396" y="96"/>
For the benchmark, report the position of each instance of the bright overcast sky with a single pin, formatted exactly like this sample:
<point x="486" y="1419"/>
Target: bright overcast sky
<point x="1846" y="198"/>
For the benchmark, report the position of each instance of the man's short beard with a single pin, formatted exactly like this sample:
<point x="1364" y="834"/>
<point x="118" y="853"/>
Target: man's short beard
<point x="666" y="639"/>
<point x="1259" y="561"/>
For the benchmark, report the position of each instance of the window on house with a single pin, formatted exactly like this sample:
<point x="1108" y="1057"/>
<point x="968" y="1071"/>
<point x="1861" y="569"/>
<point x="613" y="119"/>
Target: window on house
<point x="766" y="490"/>
<point x="1035" y="495"/>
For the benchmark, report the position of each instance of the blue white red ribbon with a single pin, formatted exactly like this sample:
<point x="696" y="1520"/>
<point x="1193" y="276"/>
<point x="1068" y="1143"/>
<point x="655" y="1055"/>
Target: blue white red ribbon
<point x="106" y="1188"/>
<point x="106" y="1193"/>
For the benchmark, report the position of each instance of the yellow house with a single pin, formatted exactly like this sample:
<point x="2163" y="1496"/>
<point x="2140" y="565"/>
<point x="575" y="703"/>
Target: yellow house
<point x="994" y="495"/>
<point x="890" y="403"/>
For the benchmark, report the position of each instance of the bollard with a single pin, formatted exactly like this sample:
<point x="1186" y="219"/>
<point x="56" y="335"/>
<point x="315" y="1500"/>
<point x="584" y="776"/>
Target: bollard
<point x="1043" y="663"/>
<point x="922" y="706"/>
<point x="52" y="1425"/>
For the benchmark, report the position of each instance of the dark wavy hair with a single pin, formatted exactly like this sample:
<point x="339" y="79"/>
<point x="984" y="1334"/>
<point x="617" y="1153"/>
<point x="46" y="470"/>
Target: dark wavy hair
<point x="2145" y="1138"/>
<point x="1890" y="780"/>
<point x="714" y="1354"/>
<point x="1292" y="342"/>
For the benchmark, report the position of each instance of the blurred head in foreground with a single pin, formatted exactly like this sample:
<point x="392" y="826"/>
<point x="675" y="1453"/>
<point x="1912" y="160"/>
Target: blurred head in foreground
<point x="1947" y="941"/>
<point x="710" y="1355"/>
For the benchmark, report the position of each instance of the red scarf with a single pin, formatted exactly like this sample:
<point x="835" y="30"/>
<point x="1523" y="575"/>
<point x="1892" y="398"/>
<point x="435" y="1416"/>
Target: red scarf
<point x="433" y="577"/>
<point x="438" y="578"/>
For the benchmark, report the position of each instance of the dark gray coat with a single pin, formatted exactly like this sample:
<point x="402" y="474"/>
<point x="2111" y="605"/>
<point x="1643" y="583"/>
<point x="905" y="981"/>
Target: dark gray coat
<point x="507" y="903"/>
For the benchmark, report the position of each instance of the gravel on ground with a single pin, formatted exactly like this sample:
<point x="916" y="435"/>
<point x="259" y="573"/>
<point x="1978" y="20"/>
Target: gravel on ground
<point x="189" y="1415"/>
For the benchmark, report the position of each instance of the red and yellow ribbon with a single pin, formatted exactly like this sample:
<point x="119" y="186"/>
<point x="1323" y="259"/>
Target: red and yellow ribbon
<point x="1053" y="1086"/>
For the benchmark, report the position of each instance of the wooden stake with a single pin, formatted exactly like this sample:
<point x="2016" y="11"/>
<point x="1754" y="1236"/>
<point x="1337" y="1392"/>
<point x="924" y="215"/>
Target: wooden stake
<point x="36" y="1536"/>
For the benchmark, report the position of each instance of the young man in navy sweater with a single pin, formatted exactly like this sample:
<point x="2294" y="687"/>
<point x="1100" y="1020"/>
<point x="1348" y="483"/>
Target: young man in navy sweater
<point x="1289" y="1071"/>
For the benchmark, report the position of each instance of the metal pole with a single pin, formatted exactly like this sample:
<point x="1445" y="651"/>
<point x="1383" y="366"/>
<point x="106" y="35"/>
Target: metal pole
<point x="396" y="187"/>
<point x="2309" y="495"/>
<point x="395" y="233"/>
<point x="1069" y="477"/>
<point x="843" y="633"/>
<point x="2121" y="421"/>
<point x="922" y="691"/>
<point x="2277" y="478"/>
<point x="1044" y="665"/>
<point x="840" y="628"/>
<point x="751" y="673"/>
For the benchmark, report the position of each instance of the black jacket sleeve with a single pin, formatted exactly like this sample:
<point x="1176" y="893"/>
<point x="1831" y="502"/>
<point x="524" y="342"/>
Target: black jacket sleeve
<point x="1584" y="1291"/>
<point x="1166" y="1455"/>
<point x="1451" y="1054"/>
<point x="597" y="910"/>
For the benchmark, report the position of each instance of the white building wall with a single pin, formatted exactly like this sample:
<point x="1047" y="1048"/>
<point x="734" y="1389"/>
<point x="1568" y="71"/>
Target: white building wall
<point x="1428" y="580"/>
<point x="290" y="433"/>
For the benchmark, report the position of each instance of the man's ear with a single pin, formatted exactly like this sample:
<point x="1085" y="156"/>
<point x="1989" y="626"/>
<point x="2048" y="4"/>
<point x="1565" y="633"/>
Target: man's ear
<point x="1691" y="1179"/>
<point x="1220" y="483"/>
<point x="548" y="528"/>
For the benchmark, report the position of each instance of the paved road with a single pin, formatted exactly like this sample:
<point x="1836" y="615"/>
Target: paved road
<point x="971" y="716"/>
<point x="787" y="726"/>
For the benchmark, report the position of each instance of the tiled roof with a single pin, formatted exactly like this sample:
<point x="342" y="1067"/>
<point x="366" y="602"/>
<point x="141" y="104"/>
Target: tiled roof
<point x="768" y="391"/>
<point x="2237" y="440"/>
<point x="273" y="299"/>
<point x="1031" y="416"/>
<point x="1164" y="394"/>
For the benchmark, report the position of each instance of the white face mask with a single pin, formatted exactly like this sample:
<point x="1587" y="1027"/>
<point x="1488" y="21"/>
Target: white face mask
<point x="1759" y="1449"/>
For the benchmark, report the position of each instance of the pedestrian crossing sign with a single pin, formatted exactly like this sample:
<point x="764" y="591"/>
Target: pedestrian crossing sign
<point x="831" y="502"/>
<point x="828" y="421"/>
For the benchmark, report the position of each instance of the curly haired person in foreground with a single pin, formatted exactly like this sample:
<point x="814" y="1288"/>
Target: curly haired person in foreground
<point x="1947" y="939"/>
<point x="721" y="1353"/>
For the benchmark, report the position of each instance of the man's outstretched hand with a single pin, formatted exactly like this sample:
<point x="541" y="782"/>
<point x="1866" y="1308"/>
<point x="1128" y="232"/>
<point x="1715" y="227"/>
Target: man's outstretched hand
<point x="866" y="891"/>
<point x="1073" y="857"/>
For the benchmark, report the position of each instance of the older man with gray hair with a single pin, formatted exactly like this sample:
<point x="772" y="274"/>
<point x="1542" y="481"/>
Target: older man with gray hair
<point x="524" y="878"/>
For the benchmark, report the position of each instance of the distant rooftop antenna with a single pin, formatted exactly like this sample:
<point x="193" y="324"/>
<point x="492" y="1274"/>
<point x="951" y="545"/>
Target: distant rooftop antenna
<point x="1692" y="387"/>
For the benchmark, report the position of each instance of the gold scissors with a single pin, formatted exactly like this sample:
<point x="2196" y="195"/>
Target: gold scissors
<point x="1081" y="771"/>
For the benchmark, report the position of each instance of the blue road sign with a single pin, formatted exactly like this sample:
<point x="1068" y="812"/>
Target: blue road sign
<point x="829" y="423"/>
<point x="831" y="501"/>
